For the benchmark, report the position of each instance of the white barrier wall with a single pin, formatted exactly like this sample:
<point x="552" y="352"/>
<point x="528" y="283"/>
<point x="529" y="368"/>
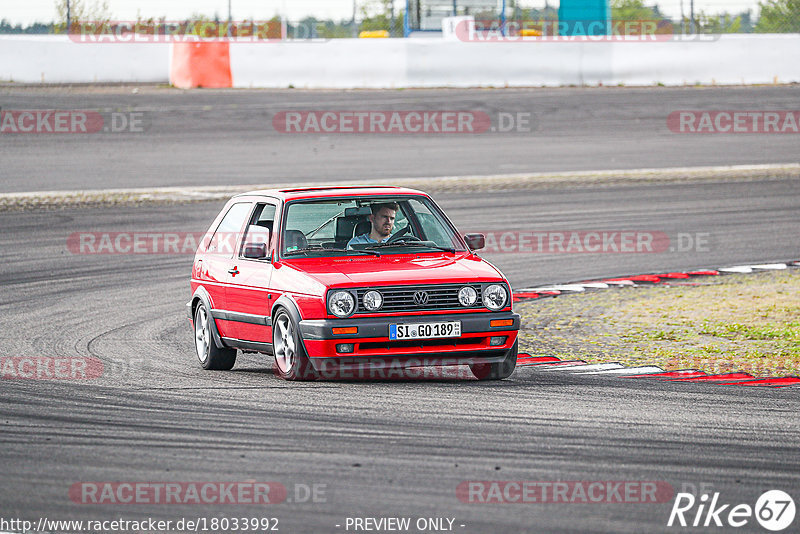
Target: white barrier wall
<point x="57" y="59"/>
<point x="334" y="63"/>
<point x="387" y="63"/>
<point x="733" y="59"/>
<point x="349" y="63"/>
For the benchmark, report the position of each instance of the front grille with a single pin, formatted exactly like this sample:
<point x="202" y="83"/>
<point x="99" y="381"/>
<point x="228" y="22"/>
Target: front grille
<point x="400" y="299"/>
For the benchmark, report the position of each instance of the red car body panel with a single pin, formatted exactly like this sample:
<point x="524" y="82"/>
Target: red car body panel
<point x="429" y="268"/>
<point x="242" y="293"/>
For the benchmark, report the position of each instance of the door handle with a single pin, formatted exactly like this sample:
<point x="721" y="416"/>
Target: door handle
<point x="234" y="271"/>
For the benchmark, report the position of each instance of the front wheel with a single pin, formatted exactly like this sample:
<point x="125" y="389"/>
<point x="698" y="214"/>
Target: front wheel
<point x="499" y="370"/>
<point x="291" y="360"/>
<point x="210" y="356"/>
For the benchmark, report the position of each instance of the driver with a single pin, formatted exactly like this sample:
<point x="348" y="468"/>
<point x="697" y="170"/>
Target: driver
<point x="382" y="221"/>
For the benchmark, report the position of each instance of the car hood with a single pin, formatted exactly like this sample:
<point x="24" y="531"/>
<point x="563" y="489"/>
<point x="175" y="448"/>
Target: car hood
<point x="396" y="269"/>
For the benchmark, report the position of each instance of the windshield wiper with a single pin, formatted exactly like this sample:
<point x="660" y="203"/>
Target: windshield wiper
<point x="313" y="232"/>
<point x="308" y="250"/>
<point x="414" y="244"/>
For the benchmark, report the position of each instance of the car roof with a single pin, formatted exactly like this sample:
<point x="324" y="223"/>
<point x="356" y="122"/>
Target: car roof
<point x="333" y="191"/>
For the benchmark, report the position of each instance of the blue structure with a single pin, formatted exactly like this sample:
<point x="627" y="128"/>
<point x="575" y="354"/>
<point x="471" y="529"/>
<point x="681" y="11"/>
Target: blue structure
<point x="416" y="9"/>
<point x="584" y="17"/>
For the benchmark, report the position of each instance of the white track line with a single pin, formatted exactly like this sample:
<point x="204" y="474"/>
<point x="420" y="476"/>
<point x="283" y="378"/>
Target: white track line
<point x="745" y="269"/>
<point x="585" y="367"/>
<point x="644" y="370"/>
<point x="595" y="285"/>
<point x="771" y="266"/>
<point x="553" y="365"/>
<point x="564" y="287"/>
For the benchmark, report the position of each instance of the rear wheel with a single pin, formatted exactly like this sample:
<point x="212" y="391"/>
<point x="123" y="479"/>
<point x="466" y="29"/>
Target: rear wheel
<point x="497" y="371"/>
<point x="291" y="360"/>
<point x="210" y="356"/>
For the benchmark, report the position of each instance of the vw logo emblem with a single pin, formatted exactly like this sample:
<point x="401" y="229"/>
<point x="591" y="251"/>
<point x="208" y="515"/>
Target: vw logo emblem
<point x="420" y="298"/>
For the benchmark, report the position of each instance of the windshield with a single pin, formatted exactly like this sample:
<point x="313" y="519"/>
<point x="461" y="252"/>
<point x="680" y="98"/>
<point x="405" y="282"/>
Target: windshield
<point x="366" y="225"/>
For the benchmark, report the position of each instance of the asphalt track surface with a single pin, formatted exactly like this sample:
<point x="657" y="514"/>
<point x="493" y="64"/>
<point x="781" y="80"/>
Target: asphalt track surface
<point x="212" y="137"/>
<point x="383" y="448"/>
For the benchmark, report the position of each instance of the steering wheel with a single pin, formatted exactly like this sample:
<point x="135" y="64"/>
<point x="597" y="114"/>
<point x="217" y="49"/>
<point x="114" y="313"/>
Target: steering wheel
<point x="401" y="236"/>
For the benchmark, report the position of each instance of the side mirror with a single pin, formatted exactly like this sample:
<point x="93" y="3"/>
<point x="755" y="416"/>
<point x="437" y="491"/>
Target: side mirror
<point x="255" y="251"/>
<point x="475" y="241"/>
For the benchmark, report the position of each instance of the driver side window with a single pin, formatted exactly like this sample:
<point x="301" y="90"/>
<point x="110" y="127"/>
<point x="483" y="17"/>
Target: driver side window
<point x="433" y="227"/>
<point x="260" y="229"/>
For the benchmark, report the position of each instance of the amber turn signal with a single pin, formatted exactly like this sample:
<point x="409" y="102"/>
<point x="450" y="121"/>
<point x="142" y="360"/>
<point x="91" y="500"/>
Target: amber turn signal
<point x="345" y="330"/>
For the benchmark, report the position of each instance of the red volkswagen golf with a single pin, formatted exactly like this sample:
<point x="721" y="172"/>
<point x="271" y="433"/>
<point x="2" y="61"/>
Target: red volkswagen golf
<point x="333" y="280"/>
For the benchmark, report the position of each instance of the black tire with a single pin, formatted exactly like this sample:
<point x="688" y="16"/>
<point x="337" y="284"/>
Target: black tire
<point x="291" y="359"/>
<point x="211" y="357"/>
<point x="497" y="371"/>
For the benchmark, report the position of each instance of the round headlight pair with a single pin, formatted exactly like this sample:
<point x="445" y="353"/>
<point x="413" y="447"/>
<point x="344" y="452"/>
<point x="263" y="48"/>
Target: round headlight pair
<point x="373" y="300"/>
<point x="467" y="296"/>
<point x="343" y="304"/>
<point x="495" y="297"/>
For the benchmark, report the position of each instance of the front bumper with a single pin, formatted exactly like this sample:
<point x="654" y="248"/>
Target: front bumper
<point x="371" y="343"/>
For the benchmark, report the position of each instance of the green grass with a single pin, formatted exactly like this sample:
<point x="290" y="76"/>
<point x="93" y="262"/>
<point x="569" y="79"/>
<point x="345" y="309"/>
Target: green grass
<point x="728" y="323"/>
<point x="751" y="332"/>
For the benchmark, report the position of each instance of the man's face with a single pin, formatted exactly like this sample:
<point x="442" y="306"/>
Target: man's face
<point x="383" y="221"/>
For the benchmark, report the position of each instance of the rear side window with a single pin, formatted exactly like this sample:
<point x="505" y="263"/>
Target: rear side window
<point x="227" y="237"/>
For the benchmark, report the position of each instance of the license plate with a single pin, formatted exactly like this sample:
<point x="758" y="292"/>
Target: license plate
<point x="425" y="330"/>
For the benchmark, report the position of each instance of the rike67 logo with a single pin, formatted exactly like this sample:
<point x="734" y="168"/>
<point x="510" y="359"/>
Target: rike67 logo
<point x="774" y="510"/>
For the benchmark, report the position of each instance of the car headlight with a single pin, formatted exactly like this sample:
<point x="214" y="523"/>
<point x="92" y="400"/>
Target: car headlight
<point x="467" y="296"/>
<point x="494" y="297"/>
<point x="341" y="303"/>
<point x="373" y="300"/>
